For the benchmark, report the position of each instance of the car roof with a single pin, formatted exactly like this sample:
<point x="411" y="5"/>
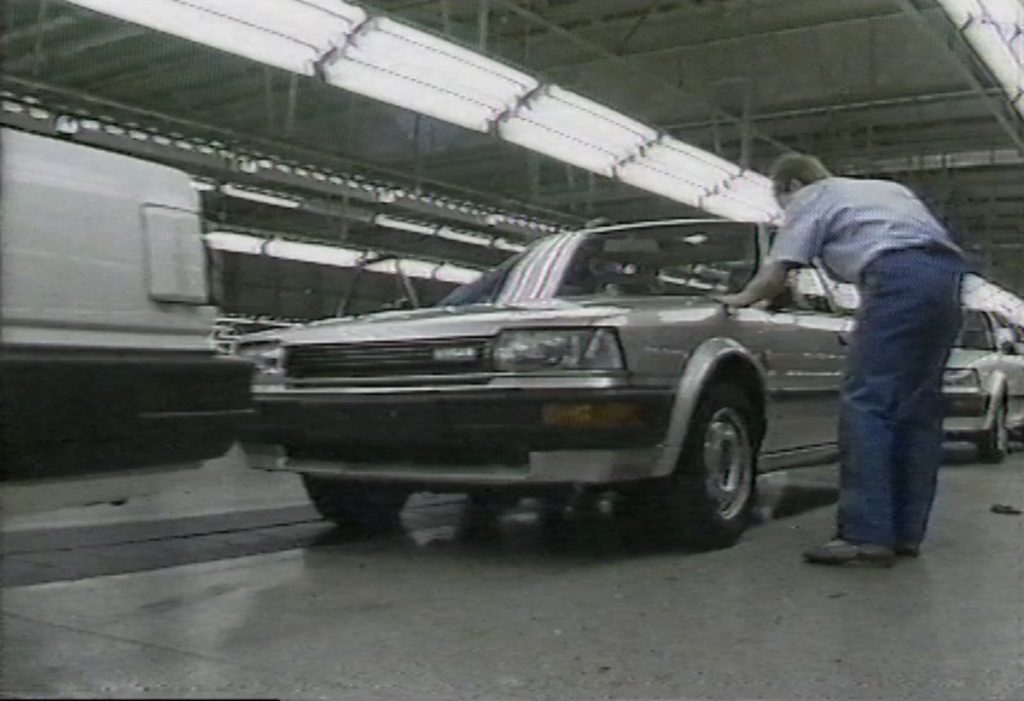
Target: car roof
<point x="612" y="228"/>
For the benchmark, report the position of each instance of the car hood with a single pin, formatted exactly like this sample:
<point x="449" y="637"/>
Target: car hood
<point x="489" y="320"/>
<point x="963" y="359"/>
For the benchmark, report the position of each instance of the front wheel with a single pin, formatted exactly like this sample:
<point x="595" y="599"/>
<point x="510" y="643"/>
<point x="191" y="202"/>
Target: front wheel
<point x="995" y="443"/>
<point x="371" y="509"/>
<point x="707" y="502"/>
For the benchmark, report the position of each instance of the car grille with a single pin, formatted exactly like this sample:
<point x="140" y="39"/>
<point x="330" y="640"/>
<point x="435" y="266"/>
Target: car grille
<point x="389" y="359"/>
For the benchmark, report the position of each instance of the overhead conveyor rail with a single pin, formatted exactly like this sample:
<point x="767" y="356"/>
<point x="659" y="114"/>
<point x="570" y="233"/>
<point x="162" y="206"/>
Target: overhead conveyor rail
<point x="235" y="163"/>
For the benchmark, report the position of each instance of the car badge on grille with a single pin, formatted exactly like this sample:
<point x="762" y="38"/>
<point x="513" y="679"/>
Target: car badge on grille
<point x="459" y="354"/>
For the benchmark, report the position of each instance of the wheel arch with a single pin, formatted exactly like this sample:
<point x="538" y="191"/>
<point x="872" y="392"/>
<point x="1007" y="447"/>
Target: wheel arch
<point x="713" y="360"/>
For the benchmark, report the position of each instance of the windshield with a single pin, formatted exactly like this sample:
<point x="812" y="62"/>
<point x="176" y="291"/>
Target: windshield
<point x="975" y="334"/>
<point x="655" y="261"/>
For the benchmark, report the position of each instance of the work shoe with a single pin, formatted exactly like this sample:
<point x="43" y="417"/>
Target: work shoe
<point x="843" y="552"/>
<point x="907" y="550"/>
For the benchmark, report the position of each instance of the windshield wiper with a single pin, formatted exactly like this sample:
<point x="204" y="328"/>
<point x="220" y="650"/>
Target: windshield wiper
<point x="411" y="295"/>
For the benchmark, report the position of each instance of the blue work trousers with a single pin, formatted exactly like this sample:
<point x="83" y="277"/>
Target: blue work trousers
<point x="890" y="429"/>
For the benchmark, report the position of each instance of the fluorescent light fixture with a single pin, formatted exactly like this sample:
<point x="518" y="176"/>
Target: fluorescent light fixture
<point x="314" y="253"/>
<point x="234" y="243"/>
<point x="995" y="30"/>
<point x="571" y="128"/>
<point x="749" y="196"/>
<point x="202" y="186"/>
<point x="424" y="270"/>
<point x="456" y="274"/>
<point x="409" y="68"/>
<point x="444" y="232"/>
<point x="506" y="245"/>
<point x="288" y="34"/>
<point x="960" y="11"/>
<point x="388" y="61"/>
<point x="418" y="268"/>
<point x="462" y="237"/>
<point x="288" y="250"/>
<point x="689" y="162"/>
<point x="260" y="197"/>
<point x="696" y="239"/>
<point x="388" y="265"/>
<point x="389" y="222"/>
<point x="660" y="181"/>
<point x="700" y="179"/>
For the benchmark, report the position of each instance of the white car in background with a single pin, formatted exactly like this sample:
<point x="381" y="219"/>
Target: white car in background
<point x="984" y="384"/>
<point x="984" y="379"/>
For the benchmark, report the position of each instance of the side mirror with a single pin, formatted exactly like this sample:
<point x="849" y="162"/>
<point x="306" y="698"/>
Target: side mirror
<point x="1008" y="348"/>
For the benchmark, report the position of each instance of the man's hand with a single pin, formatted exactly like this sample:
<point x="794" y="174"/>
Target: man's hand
<point x="766" y="285"/>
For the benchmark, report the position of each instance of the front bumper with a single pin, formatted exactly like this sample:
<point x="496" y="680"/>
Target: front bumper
<point x="463" y="437"/>
<point x="541" y="469"/>
<point x="78" y="411"/>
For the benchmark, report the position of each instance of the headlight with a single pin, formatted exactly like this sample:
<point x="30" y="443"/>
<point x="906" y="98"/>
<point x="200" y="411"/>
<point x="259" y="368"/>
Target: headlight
<point x="558" y="349"/>
<point x="962" y="378"/>
<point x="267" y="357"/>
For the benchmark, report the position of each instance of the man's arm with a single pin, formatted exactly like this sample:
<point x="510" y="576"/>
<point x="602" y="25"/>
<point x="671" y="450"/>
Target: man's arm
<point x="799" y="242"/>
<point x="768" y="284"/>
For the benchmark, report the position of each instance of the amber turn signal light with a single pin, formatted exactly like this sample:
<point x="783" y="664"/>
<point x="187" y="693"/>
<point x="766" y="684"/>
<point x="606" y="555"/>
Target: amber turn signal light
<point x="612" y="415"/>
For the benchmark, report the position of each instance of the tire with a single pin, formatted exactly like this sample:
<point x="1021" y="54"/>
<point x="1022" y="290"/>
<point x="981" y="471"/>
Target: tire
<point x="994" y="445"/>
<point x="708" y="502"/>
<point x="483" y="511"/>
<point x="370" y="509"/>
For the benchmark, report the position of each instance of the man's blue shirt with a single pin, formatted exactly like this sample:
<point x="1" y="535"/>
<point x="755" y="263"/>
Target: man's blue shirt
<point x="847" y="223"/>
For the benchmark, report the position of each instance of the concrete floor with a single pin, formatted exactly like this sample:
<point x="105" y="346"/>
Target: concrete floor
<point x="520" y="611"/>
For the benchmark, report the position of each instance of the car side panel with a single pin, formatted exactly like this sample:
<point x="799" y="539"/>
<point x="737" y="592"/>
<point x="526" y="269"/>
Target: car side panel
<point x="801" y="380"/>
<point x="803" y="361"/>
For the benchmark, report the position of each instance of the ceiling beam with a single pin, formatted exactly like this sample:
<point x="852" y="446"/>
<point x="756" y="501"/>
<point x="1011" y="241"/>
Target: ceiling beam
<point x="705" y="43"/>
<point x="628" y="64"/>
<point x="66" y="50"/>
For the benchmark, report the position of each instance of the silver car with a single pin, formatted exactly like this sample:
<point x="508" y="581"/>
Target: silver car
<point x="594" y="360"/>
<point x="984" y="384"/>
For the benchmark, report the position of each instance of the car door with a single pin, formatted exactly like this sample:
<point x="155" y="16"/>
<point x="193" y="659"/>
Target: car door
<point x="804" y="356"/>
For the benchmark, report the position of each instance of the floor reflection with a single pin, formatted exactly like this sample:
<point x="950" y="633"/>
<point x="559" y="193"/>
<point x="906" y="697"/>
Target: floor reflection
<point x="588" y="524"/>
<point x="574" y="526"/>
<point x="581" y="525"/>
